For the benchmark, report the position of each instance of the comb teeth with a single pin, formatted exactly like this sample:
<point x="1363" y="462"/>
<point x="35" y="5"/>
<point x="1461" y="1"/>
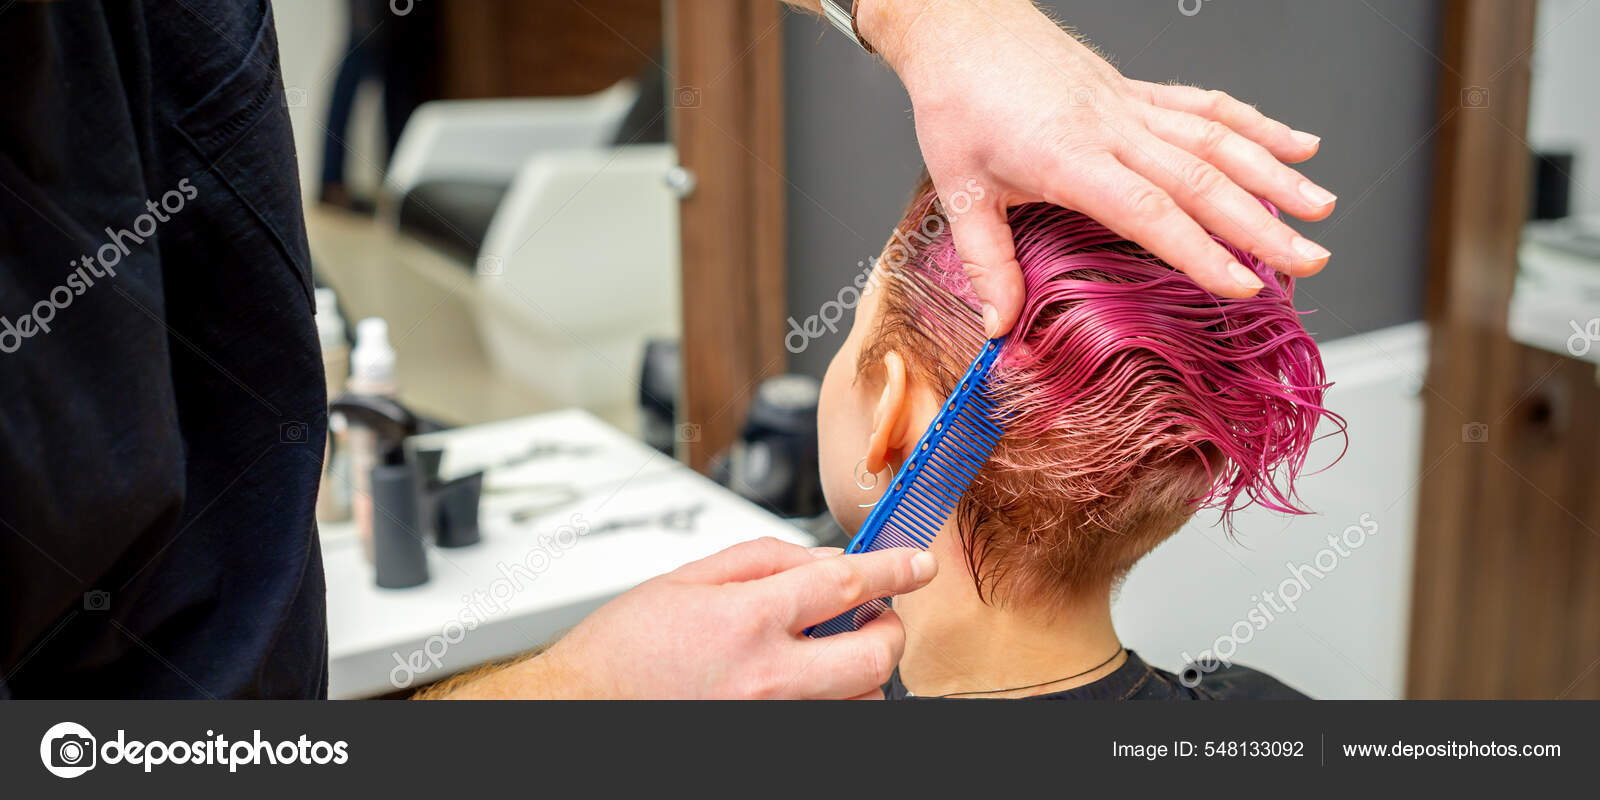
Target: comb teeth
<point x="849" y="621"/>
<point x="930" y="484"/>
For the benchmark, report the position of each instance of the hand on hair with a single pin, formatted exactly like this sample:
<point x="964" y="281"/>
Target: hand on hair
<point x="727" y="626"/>
<point x="1011" y="109"/>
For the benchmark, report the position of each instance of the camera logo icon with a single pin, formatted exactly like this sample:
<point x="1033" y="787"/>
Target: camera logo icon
<point x="67" y="750"/>
<point x="294" y="97"/>
<point x="686" y="97"/>
<point x="293" y="432"/>
<point x="1475" y="433"/>
<point x="1475" y="97"/>
<point x="96" y="600"/>
<point x="688" y="432"/>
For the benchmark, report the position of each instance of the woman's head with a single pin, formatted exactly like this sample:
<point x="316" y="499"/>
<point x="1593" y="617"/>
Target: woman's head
<point x="1132" y="398"/>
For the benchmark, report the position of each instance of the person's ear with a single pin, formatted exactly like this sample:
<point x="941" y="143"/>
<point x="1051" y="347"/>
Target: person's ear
<point x="891" y="417"/>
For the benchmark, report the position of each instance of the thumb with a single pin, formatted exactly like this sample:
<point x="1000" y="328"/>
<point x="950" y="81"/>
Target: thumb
<point x="983" y="238"/>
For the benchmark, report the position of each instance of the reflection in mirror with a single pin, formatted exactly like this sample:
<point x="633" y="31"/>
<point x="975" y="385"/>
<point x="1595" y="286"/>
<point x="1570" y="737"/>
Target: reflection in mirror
<point x="1557" y="290"/>
<point x="488" y="179"/>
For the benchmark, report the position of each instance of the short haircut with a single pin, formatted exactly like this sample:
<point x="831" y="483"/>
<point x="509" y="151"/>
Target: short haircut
<point x="1132" y="397"/>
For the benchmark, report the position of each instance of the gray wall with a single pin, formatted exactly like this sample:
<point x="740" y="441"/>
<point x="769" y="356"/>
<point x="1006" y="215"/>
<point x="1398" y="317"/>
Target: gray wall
<point x="1358" y="74"/>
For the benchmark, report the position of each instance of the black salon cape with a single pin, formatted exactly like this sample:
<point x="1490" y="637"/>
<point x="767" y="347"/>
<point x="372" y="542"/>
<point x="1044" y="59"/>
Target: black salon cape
<point x="162" y="439"/>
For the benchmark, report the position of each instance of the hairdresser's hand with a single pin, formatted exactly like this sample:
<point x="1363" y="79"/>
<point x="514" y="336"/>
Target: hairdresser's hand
<point x="730" y="626"/>
<point x="1010" y="107"/>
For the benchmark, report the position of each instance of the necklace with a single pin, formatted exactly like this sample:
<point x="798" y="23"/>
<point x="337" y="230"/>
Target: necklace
<point x="1108" y="660"/>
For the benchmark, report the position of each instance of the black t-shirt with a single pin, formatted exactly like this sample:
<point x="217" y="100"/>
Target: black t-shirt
<point x="1136" y="680"/>
<point x="161" y="394"/>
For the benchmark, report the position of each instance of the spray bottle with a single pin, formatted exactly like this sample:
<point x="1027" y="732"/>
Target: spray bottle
<point x="372" y="372"/>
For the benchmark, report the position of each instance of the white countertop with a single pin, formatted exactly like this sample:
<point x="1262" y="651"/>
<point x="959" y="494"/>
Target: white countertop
<point x="524" y="583"/>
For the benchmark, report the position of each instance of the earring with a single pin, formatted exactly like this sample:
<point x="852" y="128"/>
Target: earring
<point x="858" y="472"/>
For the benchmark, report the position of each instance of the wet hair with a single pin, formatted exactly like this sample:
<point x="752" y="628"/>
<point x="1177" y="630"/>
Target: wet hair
<point x="1132" y="397"/>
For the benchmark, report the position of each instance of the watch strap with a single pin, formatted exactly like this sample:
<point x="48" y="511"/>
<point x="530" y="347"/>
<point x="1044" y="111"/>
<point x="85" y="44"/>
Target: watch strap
<point x="842" y="15"/>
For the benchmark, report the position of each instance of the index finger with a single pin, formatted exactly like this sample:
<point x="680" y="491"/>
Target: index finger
<point x="983" y="238"/>
<point x="1134" y="208"/>
<point x="746" y="561"/>
<point x="827" y="587"/>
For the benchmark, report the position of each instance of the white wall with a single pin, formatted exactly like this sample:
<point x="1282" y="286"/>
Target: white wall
<point x="1565" y="109"/>
<point x="1346" y="637"/>
<point x="311" y="40"/>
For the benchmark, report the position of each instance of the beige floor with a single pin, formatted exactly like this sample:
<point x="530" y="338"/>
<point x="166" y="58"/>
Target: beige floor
<point x="442" y="368"/>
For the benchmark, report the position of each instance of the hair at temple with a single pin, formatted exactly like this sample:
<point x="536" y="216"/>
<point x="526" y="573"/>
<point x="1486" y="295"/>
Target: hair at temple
<point x="1132" y="396"/>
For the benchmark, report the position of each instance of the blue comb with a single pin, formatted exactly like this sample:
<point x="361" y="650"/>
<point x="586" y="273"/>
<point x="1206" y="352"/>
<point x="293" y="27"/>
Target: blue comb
<point x="930" y="484"/>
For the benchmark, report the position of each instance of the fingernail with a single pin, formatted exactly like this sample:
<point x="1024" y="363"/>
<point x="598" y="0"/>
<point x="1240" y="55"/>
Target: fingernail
<point x="1243" y="276"/>
<point x="1317" y="195"/>
<point x="991" y="321"/>
<point x="1305" y="139"/>
<point x="826" y="552"/>
<point x="923" y="566"/>
<point x="1309" y="250"/>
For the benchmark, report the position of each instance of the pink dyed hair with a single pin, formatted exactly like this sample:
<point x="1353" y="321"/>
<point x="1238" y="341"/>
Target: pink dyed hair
<point x="1132" y="396"/>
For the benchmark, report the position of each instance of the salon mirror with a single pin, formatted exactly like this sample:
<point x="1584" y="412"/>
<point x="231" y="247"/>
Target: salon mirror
<point x="495" y="180"/>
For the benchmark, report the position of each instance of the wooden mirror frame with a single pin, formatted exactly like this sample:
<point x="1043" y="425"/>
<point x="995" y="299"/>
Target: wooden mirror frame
<point x="728" y="126"/>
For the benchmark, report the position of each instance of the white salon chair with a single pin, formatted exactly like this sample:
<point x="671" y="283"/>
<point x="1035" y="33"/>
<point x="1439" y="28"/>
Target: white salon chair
<point x="570" y="240"/>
